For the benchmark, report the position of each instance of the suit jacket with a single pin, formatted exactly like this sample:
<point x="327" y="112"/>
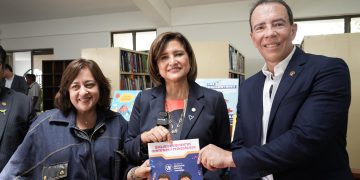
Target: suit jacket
<point x="18" y="84"/>
<point x="206" y="118"/>
<point x="306" y="136"/>
<point x="15" y="115"/>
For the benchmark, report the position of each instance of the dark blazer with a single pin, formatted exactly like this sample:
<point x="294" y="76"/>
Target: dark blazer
<point x="209" y="122"/>
<point x="306" y="136"/>
<point x="15" y="115"/>
<point x="18" y="84"/>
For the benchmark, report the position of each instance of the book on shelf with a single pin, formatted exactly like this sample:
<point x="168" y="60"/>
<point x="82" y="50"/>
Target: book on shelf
<point x="133" y="62"/>
<point x="123" y="102"/>
<point x="229" y="88"/>
<point x="236" y="60"/>
<point x="134" y="82"/>
<point x="175" y="160"/>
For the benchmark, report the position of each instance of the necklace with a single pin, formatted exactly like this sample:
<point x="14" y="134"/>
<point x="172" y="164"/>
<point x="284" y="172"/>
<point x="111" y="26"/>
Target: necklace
<point x="175" y="129"/>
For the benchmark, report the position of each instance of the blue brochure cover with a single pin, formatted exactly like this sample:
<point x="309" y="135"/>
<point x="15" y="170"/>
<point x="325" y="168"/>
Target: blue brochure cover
<point x="123" y="102"/>
<point x="229" y="88"/>
<point x="176" y="160"/>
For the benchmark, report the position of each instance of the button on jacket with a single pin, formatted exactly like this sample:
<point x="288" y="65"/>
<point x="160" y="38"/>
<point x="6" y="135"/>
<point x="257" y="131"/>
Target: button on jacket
<point x="55" y="148"/>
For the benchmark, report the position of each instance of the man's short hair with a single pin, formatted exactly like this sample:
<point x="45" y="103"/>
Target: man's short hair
<point x="283" y="3"/>
<point x="8" y="67"/>
<point x="2" y="55"/>
<point x="164" y="175"/>
<point x="32" y="77"/>
<point x="185" y="174"/>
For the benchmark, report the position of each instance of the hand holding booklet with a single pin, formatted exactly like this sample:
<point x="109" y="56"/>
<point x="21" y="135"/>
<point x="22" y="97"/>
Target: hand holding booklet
<point x="175" y="160"/>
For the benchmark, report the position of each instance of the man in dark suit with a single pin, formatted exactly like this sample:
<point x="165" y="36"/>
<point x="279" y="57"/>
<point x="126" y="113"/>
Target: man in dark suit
<point x="291" y="116"/>
<point x="13" y="81"/>
<point x="15" y="115"/>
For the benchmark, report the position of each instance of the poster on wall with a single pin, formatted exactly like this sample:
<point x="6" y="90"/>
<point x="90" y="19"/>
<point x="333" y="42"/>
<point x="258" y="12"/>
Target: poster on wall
<point x="123" y="102"/>
<point x="229" y="88"/>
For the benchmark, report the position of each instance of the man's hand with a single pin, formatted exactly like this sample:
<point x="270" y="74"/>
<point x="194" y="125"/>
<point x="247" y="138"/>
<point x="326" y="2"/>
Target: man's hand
<point x="213" y="157"/>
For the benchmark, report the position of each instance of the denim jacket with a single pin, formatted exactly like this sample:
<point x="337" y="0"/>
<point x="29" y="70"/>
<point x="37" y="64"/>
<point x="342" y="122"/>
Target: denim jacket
<point x="54" y="148"/>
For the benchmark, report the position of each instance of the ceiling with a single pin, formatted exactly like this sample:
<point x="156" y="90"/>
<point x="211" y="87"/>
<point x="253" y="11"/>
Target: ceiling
<point x="14" y="11"/>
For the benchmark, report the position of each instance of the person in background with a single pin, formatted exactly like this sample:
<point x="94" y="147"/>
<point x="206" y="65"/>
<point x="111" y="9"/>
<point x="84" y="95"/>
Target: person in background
<point x="13" y="81"/>
<point x="16" y="114"/>
<point x="34" y="91"/>
<point x="81" y="138"/>
<point x="191" y="111"/>
<point x="292" y="116"/>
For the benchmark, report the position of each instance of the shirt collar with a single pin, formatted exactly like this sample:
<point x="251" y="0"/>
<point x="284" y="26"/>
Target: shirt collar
<point x="11" y="78"/>
<point x="279" y="69"/>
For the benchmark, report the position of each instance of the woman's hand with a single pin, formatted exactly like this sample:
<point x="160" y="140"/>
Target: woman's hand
<point x="156" y="134"/>
<point x="140" y="172"/>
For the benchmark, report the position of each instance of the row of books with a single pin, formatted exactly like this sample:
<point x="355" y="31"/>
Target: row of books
<point x="134" y="82"/>
<point x="133" y="62"/>
<point x="236" y="60"/>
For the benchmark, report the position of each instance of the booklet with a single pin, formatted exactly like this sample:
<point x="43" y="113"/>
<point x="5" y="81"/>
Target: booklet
<point x="123" y="102"/>
<point x="175" y="161"/>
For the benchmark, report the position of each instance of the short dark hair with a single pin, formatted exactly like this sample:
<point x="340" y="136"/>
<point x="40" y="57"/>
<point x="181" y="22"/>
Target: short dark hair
<point x="62" y="98"/>
<point x="184" y="174"/>
<point x="164" y="175"/>
<point x="260" y="2"/>
<point x="32" y="77"/>
<point x="2" y="55"/>
<point x="8" y="67"/>
<point x="158" y="46"/>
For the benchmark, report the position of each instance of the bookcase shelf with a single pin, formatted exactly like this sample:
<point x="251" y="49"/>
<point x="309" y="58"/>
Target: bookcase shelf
<point x="126" y="69"/>
<point x="51" y="77"/>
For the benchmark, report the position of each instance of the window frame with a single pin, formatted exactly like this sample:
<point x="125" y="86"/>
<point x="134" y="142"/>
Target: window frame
<point x="347" y="20"/>
<point x="133" y="33"/>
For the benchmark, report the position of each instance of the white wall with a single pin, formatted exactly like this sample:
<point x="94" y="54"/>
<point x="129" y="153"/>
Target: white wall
<point x="223" y="21"/>
<point x="68" y="36"/>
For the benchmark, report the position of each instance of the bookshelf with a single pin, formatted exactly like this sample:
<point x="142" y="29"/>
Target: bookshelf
<point x="219" y="60"/>
<point x="51" y="77"/>
<point x="126" y="69"/>
<point x="345" y="46"/>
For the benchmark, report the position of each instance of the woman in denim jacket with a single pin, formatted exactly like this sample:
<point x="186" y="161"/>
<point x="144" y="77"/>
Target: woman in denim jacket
<point x="81" y="139"/>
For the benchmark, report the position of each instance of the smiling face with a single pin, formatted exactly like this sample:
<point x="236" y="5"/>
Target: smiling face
<point x="173" y="62"/>
<point x="84" y="92"/>
<point x="272" y="33"/>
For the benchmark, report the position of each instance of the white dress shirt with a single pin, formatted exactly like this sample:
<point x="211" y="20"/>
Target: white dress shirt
<point x="9" y="81"/>
<point x="271" y="85"/>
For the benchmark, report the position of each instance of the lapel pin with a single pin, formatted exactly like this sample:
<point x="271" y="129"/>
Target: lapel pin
<point x="191" y="117"/>
<point x="3" y="103"/>
<point x="292" y="73"/>
<point x="193" y="109"/>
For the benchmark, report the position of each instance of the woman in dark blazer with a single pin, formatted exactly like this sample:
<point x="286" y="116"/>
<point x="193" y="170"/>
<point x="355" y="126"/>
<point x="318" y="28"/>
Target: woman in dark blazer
<point x="193" y="111"/>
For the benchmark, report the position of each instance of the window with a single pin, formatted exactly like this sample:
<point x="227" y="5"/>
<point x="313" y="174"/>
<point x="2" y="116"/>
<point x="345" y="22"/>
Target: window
<point x="318" y="27"/>
<point x="124" y="40"/>
<point x="134" y="40"/>
<point x="326" y="25"/>
<point x="355" y="24"/>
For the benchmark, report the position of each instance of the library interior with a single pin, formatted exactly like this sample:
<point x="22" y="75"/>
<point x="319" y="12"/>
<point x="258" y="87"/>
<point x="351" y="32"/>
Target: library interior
<point x="42" y="38"/>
